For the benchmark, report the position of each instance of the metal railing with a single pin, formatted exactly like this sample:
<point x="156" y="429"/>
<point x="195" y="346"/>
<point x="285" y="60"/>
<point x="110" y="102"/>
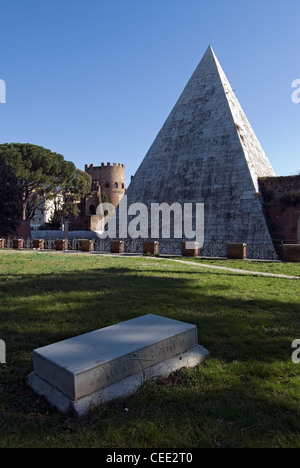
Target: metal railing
<point x="102" y="245"/>
<point x="133" y="246"/>
<point x="170" y="248"/>
<point x="214" y="249"/>
<point x="49" y="244"/>
<point x="261" y="251"/>
<point x="74" y="244"/>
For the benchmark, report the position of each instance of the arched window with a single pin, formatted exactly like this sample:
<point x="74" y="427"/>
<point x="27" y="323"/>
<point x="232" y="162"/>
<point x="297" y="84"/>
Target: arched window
<point x="116" y="185"/>
<point x="123" y="185"/>
<point x="106" y="184"/>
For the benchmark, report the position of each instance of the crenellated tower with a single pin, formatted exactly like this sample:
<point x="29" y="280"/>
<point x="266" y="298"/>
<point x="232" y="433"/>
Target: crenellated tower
<point x="110" y="178"/>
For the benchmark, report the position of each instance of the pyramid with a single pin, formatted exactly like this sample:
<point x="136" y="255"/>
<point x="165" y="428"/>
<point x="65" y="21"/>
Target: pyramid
<point x="207" y="152"/>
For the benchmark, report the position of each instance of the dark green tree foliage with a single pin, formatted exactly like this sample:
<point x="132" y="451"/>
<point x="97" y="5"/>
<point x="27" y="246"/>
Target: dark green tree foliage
<point x="67" y="198"/>
<point x="10" y="199"/>
<point x="73" y="191"/>
<point x="39" y="172"/>
<point x="54" y="224"/>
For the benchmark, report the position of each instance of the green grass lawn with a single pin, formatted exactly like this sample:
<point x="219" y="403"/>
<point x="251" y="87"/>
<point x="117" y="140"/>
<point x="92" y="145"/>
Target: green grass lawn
<point x="246" y="395"/>
<point x="291" y="269"/>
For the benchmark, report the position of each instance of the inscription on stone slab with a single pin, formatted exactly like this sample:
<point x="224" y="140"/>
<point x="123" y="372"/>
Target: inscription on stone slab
<point x="86" y="363"/>
<point x="2" y="352"/>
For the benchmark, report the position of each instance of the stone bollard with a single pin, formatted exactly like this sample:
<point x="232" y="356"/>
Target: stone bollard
<point x="2" y="243"/>
<point x="151" y="247"/>
<point x="117" y="246"/>
<point x="237" y="251"/>
<point x="193" y="252"/>
<point x="60" y="244"/>
<point x="87" y="245"/>
<point x="17" y="243"/>
<point x="38" y="244"/>
<point x="291" y="252"/>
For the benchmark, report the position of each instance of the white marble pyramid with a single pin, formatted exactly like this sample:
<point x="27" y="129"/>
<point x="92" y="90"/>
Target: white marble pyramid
<point x="207" y="152"/>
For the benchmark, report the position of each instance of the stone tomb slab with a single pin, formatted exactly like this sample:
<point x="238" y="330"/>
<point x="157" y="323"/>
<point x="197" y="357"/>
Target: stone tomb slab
<point x="112" y="362"/>
<point x="81" y="365"/>
<point x="2" y="352"/>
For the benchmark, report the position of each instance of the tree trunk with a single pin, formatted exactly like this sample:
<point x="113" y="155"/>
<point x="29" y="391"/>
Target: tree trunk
<point x="23" y="211"/>
<point x="66" y="227"/>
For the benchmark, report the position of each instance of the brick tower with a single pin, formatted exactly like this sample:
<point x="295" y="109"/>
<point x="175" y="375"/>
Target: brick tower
<point x="110" y="178"/>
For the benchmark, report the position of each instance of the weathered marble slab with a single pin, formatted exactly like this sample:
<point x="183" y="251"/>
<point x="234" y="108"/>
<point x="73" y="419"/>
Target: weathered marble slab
<point x="121" y="389"/>
<point x="85" y="364"/>
<point x="2" y="352"/>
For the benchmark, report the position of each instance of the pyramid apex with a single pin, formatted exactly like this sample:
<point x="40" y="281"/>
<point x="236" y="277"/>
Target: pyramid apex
<point x="210" y="48"/>
<point x="210" y="54"/>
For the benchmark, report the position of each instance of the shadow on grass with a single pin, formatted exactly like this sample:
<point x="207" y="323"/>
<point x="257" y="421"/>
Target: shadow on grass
<point x="212" y="406"/>
<point x="51" y="307"/>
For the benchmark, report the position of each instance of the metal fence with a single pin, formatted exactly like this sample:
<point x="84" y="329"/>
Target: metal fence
<point x="262" y="251"/>
<point x="102" y="245"/>
<point x="49" y="244"/>
<point x="170" y="248"/>
<point x="214" y="249"/>
<point x="133" y="246"/>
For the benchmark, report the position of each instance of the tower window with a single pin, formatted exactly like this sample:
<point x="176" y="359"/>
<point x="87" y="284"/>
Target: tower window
<point x="116" y="185"/>
<point x="106" y="184"/>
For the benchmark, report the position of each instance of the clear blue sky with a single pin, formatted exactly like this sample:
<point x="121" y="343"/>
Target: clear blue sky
<point x="95" y="80"/>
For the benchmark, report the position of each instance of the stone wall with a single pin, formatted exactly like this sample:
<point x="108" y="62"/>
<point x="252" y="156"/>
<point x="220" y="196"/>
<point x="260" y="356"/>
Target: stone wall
<point x="22" y="230"/>
<point x="281" y="196"/>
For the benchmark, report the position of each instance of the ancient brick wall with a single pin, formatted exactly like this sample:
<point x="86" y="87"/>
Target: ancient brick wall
<point x="22" y="230"/>
<point x="281" y="197"/>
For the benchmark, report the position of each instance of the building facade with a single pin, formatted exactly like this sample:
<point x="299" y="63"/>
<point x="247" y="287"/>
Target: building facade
<point x="43" y="214"/>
